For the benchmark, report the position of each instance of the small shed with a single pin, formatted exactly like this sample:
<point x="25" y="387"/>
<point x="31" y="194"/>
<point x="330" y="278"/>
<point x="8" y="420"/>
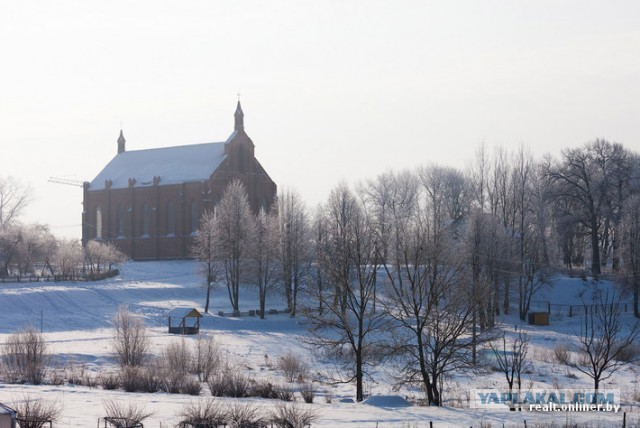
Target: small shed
<point x="184" y="320"/>
<point x="7" y="417"/>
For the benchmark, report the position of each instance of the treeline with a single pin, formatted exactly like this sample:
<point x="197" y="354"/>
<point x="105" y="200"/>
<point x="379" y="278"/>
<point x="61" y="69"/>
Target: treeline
<point x="509" y="217"/>
<point x="435" y="252"/>
<point x="32" y="250"/>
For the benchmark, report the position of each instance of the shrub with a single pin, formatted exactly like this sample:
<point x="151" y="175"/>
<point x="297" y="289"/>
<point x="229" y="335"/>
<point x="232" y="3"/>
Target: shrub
<point x="76" y="374"/>
<point x="243" y="415"/>
<point x="140" y="379"/>
<point x="123" y="415"/>
<point x="33" y="412"/>
<point x="292" y="367"/>
<point x="264" y="389"/>
<point x="203" y="413"/>
<point x="206" y="358"/>
<point x="293" y="416"/>
<point x="562" y="354"/>
<point x="109" y="381"/>
<point x="130" y="338"/>
<point x="24" y="357"/>
<point x="307" y="390"/>
<point x="229" y="383"/>
<point x="176" y="357"/>
<point x="173" y="366"/>
<point x="629" y="354"/>
<point x="191" y="387"/>
<point x="285" y="394"/>
<point x="328" y="396"/>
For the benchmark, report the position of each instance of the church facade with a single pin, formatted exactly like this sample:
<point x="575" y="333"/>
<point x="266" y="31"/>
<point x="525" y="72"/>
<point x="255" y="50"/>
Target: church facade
<point x="149" y="202"/>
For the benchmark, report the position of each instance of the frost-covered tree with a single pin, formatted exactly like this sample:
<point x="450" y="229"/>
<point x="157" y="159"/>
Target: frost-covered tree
<point x="234" y="233"/>
<point x="295" y="245"/>
<point x="14" y="197"/>
<point x="100" y="257"/>
<point x="68" y="257"/>
<point x="206" y="251"/>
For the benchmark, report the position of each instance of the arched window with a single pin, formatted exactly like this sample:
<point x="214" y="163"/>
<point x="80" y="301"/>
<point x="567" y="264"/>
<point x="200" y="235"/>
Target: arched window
<point x="194" y="217"/>
<point x="171" y="221"/>
<point x="120" y="221"/>
<point x="144" y="220"/>
<point x="98" y="222"/>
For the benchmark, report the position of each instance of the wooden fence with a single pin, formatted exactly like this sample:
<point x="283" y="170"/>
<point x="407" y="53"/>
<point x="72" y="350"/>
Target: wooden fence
<point x="576" y="310"/>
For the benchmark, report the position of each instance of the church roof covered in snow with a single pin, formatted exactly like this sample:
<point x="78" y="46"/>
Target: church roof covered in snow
<point x="174" y="165"/>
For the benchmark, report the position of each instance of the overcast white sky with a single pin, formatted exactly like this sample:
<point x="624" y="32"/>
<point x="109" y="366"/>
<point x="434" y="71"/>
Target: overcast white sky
<point x="331" y="90"/>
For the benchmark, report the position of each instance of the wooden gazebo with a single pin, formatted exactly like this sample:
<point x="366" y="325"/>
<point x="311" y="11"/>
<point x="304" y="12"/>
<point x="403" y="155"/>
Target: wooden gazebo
<point x="187" y="319"/>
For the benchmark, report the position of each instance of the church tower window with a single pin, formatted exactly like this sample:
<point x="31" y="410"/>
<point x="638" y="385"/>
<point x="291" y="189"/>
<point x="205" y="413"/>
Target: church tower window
<point x="98" y="223"/>
<point x="194" y="217"/>
<point x="171" y="229"/>
<point x="144" y="220"/>
<point x="120" y="220"/>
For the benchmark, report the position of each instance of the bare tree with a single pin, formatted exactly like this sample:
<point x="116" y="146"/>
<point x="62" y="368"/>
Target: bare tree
<point x="603" y="341"/>
<point x="130" y="341"/>
<point x="589" y="185"/>
<point x="533" y="226"/>
<point x="264" y="267"/>
<point x="36" y="412"/>
<point x="484" y="241"/>
<point x="512" y="360"/>
<point x="123" y="415"/>
<point x="294" y="245"/>
<point x="206" y="357"/>
<point x="629" y="275"/>
<point x="203" y="412"/>
<point x="424" y="271"/>
<point x="205" y="250"/>
<point x="24" y="357"/>
<point x="349" y="323"/>
<point x="319" y="241"/>
<point x="10" y="236"/>
<point x="14" y="197"/>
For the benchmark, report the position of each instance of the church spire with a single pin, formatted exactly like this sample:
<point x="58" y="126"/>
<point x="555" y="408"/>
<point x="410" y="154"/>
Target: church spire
<point x="121" y="142"/>
<point x="239" y="118"/>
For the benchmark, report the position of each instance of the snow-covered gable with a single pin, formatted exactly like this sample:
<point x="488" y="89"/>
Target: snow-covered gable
<point x="183" y="313"/>
<point x="174" y="165"/>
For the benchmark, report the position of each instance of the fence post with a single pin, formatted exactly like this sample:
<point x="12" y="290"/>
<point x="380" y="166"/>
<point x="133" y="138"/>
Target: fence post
<point x="570" y="311"/>
<point x="548" y="307"/>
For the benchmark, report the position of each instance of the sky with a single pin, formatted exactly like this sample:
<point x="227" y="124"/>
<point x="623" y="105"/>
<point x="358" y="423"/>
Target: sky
<point x="331" y="90"/>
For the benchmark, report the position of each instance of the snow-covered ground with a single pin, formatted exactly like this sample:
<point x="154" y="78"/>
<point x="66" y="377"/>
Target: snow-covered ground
<point x="76" y="320"/>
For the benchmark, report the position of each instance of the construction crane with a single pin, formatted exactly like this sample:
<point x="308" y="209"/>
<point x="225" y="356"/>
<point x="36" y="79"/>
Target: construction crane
<point x="67" y="181"/>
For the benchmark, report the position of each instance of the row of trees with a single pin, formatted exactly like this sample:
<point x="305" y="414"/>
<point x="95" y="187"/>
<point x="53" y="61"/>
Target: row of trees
<point x="437" y="251"/>
<point x="31" y="249"/>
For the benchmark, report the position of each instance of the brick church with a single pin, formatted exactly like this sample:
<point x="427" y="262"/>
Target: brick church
<point x="149" y="202"/>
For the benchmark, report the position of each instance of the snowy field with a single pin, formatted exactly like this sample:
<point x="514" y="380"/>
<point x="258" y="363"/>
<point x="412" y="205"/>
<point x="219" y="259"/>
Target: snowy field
<point x="76" y="320"/>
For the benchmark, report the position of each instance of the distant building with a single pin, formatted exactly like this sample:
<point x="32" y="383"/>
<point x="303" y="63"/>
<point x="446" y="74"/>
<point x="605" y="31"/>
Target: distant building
<point x="149" y="202"/>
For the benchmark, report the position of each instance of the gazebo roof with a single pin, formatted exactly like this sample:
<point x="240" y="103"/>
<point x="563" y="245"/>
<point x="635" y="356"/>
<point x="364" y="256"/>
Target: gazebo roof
<point x="183" y="313"/>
